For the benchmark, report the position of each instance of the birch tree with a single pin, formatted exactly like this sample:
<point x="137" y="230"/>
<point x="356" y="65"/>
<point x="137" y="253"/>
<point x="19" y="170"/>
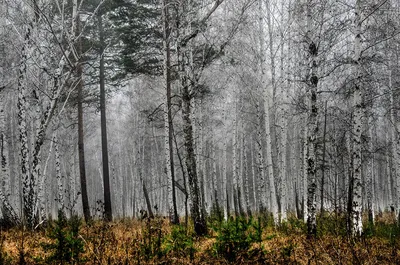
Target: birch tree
<point x="188" y="84"/>
<point x="168" y="125"/>
<point x="357" y="125"/>
<point x="266" y="98"/>
<point x="312" y="125"/>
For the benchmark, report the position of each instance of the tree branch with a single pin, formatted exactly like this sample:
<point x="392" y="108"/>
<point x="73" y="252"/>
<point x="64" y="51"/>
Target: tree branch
<point x="197" y="30"/>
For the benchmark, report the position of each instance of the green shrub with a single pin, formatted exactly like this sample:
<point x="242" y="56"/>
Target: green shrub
<point x="388" y="231"/>
<point x="331" y="224"/>
<point x="67" y="245"/>
<point x="292" y="225"/>
<point x="287" y="252"/>
<point x="179" y="242"/>
<point x="235" y="237"/>
<point x="152" y="237"/>
<point x="216" y="214"/>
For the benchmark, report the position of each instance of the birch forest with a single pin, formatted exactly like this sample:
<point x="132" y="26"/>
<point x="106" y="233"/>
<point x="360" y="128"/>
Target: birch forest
<point x="182" y="114"/>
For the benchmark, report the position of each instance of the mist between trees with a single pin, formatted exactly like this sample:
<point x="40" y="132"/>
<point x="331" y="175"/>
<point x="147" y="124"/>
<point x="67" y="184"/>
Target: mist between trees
<point x="109" y="109"/>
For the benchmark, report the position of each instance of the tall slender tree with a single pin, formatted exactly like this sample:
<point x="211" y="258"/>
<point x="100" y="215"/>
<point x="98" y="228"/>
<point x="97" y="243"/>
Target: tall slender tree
<point x="356" y="227"/>
<point x="312" y="124"/>
<point x="168" y="124"/>
<point x="104" y="142"/>
<point x="79" y="86"/>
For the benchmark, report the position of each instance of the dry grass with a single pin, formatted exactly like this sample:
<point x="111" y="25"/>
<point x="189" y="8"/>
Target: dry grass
<point x="122" y="242"/>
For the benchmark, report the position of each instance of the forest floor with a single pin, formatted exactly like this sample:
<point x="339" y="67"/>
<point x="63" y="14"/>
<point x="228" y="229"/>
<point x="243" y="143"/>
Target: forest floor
<point x="238" y="241"/>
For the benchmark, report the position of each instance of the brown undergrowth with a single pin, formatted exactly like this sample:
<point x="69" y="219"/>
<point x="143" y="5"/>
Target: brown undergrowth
<point x="156" y="242"/>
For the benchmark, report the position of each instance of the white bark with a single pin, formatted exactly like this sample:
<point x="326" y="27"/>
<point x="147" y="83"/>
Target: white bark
<point x="235" y="166"/>
<point x="23" y="134"/>
<point x="246" y="187"/>
<point x="59" y="176"/>
<point x="254" y="176"/>
<point x="41" y="186"/>
<point x="4" y="152"/>
<point x="167" y="116"/>
<point x="304" y="173"/>
<point x="261" y="182"/>
<point x="215" y="200"/>
<point x="224" y="170"/>
<point x="356" y="214"/>
<point x="282" y="162"/>
<point x="311" y="123"/>
<point x="5" y="189"/>
<point x="266" y="97"/>
<point x="369" y="182"/>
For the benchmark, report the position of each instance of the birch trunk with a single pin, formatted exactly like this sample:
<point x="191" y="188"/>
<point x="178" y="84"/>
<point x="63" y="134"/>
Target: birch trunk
<point x="141" y="158"/>
<point x="397" y="162"/>
<point x="395" y="137"/>
<point x="255" y="196"/>
<point x="6" y="208"/>
<point x="168" y="129"/>
<point x="214" y="177"/>
<point x="190" y="161"/>
<point x="199" y="135"/>
<point x="246" y="178"/>
<point x="396" y="154"/>
<point x="266" y="97"/>
<point x="187" y="81"/>
<point x="356" y="209"/>
<point x="224" y="168"/>
<point x="27" y="184"/>
<point x="305" y="174"/>
<point x="60" y="178"/>
<point x="282" y="121"/>
<point x="198" y="220"/>
<point x="323" y="159"/>
<point x="235" y="168"/>
<point x="261" y="189"/>
<point x="4" y="151"/>
<point x="369" y="182"/>
<point x="283" y="177"/>
<point x="312" y="125"/>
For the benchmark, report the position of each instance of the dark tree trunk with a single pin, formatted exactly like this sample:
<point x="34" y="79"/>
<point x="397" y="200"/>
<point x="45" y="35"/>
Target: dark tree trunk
<point x="199" y="222"/>
<point x="104" y="147"/>
<point x="81" y="146"/>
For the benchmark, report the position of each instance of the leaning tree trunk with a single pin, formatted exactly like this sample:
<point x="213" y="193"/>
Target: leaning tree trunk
<point x="141" y="159"/>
